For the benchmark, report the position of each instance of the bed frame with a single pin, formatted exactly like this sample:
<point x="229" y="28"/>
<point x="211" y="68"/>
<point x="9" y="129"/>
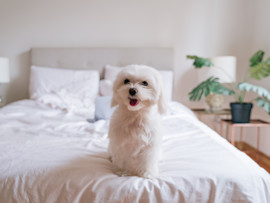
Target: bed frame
<point x="97" y="58"/>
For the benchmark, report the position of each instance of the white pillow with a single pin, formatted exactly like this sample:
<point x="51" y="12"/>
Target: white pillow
<point x="69" y="90"/>
<point x="103" y="109"/>
<point x="112" y="71"/>
<point x="105" y="87"/>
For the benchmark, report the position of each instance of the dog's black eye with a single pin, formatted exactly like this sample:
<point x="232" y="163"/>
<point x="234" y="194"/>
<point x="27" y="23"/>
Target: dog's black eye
<point x="126" y="81"/>
<point x="144" y="83"/>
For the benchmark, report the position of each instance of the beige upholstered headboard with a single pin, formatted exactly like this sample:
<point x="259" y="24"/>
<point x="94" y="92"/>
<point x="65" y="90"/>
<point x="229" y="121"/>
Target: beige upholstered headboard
<point x="97" y="58"/>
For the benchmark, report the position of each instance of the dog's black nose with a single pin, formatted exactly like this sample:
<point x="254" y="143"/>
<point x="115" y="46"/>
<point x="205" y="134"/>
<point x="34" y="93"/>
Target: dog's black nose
<point x="132" y="91"/>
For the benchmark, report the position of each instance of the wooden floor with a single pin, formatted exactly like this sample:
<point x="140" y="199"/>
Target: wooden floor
<point x="262" y="159"/>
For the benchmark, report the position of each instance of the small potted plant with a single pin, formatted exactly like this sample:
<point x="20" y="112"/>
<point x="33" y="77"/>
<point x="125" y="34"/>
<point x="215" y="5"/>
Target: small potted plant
<point x="240" y="109"/>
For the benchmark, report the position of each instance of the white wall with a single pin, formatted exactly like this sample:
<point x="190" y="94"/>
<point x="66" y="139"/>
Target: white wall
<point x="206" y="28"/>
<point x="261" y="40"/>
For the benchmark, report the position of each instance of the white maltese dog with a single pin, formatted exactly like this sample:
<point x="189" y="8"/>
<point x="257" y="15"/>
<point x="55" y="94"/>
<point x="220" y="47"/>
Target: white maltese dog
<point x="134" y="133"/>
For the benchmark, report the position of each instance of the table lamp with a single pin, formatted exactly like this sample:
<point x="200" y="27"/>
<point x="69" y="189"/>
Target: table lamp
<point x="4" y="73"/>
<point x="224" y="68"/>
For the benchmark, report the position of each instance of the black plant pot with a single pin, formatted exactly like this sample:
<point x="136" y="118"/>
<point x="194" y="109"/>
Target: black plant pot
<point x="241" y="112"/>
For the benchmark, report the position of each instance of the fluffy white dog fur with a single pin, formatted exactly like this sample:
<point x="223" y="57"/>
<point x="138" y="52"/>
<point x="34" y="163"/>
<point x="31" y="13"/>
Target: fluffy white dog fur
<point x="135" y="127"/>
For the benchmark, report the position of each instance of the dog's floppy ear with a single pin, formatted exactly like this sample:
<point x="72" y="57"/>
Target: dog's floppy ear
<point x="162" y="103"/>
<point x="113" y="102"/>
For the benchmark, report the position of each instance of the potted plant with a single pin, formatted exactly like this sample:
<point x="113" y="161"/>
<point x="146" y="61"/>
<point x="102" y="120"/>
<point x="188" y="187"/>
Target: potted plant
<point x="240" y="109"/>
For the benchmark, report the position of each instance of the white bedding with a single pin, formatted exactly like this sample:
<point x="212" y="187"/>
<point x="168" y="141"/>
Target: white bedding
<point x="47" y="155"/>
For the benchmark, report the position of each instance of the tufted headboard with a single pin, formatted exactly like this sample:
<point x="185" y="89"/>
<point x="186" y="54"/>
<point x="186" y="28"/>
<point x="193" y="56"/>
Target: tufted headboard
<point x="97" y="58"/>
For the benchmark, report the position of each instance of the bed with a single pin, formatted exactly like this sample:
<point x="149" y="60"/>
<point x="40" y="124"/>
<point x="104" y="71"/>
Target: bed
<point x="53" y="146"/>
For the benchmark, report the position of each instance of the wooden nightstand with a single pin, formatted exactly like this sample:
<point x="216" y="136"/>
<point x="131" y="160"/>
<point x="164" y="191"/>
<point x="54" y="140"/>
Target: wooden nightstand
<point x="253" y="123"/>
<point x="203" y="112"/>
<point x="217" y="116"/>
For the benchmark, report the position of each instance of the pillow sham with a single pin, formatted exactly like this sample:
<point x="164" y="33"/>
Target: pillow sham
<point x="111" y="73"/>
<point x="69" y="90"/>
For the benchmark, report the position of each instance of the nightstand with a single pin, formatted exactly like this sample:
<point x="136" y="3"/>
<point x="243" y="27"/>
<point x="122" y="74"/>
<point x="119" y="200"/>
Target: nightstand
<point x="253" y="153"/>
<point x="253" y="123"/>
<point x="205" y="115"/>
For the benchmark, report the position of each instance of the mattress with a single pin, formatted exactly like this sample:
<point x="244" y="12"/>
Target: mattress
<point x="48" y="155"/>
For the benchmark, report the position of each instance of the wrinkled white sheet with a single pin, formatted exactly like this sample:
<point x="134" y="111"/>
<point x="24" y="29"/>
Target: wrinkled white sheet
<point x="47" y="155"/>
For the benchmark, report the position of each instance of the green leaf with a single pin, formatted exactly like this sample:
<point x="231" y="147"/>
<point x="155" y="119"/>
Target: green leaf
<point x="211" y="85"/>
<point x="261" y="70"/>
<point x="259" y="90"/>
<point x="192" y="56"/>
<point x="264" y="95"/>
<point x="207" y="91"/>
<point x="256" y="58"/>
<point x="264" y="103"/>
<point x="223" y="90"/>
<point x="200" y="62"/>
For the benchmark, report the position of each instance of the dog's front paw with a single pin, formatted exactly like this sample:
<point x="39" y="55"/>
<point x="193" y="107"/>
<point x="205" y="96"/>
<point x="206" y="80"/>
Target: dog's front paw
<point x="121" y="173"/>
<point x="148" y="175"/>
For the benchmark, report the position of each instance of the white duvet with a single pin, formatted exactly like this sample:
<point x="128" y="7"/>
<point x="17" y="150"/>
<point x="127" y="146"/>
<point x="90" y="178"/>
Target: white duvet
<point x="47" y="155"/>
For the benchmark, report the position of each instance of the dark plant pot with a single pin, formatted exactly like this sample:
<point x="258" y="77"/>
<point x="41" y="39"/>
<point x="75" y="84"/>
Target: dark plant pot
<point x="241" y="112"/>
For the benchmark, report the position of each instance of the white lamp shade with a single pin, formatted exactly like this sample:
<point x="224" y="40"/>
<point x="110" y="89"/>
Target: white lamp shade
<point x="4" y="70"/>
<point x="224" y="68"/>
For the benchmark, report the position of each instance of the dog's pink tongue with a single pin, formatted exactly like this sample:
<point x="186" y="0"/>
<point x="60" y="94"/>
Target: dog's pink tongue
<point x="133" y="102"/>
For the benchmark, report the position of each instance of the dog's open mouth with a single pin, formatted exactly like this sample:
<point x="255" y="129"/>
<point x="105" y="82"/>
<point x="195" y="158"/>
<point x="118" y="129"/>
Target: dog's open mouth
<point x="133" y="102"/>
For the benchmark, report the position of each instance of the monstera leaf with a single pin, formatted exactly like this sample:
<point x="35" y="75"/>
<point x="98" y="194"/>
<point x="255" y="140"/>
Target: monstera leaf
<point x="264" y="95"/>
<point x="200" y="62"/>
<point x="256" y="58"/>
<point x="211" y="85"/>
<point x="259" y="90"/>
<point x="261" y="70"/>
<point x="264" y="103"/>
<point x="258" y="68"/>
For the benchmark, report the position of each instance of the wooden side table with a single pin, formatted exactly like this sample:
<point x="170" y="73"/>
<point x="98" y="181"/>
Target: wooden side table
<point x="201" y="112"/>
<point x="253" y="123"/>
